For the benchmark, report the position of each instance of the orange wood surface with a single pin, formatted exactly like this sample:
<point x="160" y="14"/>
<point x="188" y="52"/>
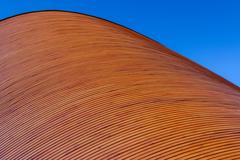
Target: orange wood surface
<point x="78" y="87"/>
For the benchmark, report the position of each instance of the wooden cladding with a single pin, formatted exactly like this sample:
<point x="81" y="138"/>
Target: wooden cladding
<point x="78" y="87"/>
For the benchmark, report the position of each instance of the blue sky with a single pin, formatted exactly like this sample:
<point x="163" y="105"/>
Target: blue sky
<point x="206" y="31"/>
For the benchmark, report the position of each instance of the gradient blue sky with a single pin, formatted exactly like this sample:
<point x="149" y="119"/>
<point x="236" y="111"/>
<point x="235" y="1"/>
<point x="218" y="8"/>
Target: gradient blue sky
<point x="206" y="31"/>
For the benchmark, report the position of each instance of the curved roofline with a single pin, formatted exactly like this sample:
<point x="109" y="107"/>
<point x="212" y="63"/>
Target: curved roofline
<point x="197" y="66"/>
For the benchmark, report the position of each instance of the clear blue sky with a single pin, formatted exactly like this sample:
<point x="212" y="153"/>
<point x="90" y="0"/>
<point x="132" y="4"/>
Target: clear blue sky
<point x="206" y="31"/>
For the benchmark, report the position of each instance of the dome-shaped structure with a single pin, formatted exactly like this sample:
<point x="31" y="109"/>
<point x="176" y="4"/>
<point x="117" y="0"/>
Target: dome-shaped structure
<point x="78" y="87"/>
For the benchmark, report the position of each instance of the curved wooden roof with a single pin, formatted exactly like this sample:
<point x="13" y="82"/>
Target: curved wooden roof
<point x="78" y="87"/>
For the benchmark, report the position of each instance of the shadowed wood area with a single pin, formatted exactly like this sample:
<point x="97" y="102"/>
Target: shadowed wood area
<point x="78" y="87"/>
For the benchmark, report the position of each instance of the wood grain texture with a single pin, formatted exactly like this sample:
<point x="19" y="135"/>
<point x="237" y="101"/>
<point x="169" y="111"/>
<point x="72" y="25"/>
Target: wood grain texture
<point x="78" y="87"/>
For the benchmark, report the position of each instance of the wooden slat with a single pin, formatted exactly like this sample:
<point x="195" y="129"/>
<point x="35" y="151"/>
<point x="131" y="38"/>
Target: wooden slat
<point x="78" y="87"/>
